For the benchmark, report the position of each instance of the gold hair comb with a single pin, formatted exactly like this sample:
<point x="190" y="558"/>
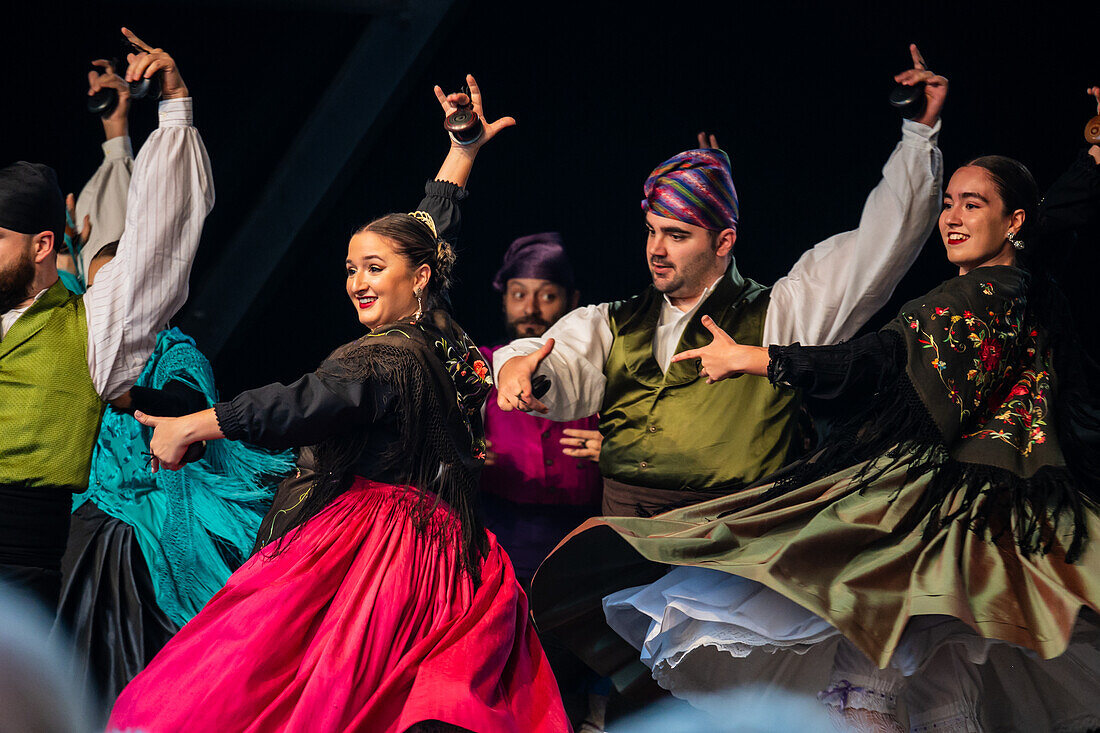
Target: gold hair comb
<point x="425" y="218"/>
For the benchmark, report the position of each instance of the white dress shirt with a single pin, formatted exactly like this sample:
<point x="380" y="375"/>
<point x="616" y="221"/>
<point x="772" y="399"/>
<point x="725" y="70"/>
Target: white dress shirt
<point x="136" y="293"/>
<point x="832" y="290"/>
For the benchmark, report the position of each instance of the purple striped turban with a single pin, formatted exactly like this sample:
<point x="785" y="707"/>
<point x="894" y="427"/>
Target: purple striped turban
<point x="694" y="187"/>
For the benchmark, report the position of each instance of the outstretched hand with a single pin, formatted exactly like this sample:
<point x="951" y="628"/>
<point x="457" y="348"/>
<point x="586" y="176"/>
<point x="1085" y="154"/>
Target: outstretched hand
<point x="170" y="440"/>
<point x="149" y="61"/>
<point x="514" y="381"/>
<point x="724" y="358"/>
<point x="935" y="86"/>
<point x="451" y="102"/>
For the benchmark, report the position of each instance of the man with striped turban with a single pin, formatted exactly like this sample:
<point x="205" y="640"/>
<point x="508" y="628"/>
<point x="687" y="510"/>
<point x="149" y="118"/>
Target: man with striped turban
<point x="669" y="438"/>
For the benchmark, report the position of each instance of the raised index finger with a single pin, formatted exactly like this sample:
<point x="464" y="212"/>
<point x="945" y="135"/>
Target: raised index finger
<point x="136" y="41"/>
<point x="918" y="60"/>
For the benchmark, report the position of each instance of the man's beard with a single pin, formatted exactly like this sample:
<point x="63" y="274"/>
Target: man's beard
<point x="516" y="328"/>
<point x="669" y="284"/>
<point x="16" y="282"/>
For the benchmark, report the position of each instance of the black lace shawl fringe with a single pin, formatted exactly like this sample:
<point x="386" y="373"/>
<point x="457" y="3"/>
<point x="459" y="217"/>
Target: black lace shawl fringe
<point x="896" y="425"/>
<point x="425" y="456"/>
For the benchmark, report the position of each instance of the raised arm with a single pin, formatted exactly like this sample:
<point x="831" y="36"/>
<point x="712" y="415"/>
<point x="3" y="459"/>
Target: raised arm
<point x="103" y="198"/>
<point x="443" y="195"/>
<point x="169" y="197"/>
<point x="838" y="285"/>
<point x="1073" y="201"/>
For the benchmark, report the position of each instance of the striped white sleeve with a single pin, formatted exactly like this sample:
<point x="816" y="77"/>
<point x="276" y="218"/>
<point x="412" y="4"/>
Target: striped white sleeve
<point x="135" y="294"/>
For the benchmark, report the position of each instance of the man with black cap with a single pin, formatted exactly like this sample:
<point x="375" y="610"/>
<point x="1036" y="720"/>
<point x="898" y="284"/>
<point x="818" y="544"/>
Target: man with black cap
<point x="540" y="480"/>
<point x="61" y="355"/>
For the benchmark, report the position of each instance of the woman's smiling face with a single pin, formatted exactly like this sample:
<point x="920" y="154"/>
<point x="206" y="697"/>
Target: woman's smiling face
<point x="974" y="224"/>
<point x="380" y="282"/>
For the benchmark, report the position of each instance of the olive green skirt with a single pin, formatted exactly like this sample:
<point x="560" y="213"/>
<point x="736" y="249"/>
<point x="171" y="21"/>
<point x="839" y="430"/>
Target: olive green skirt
<point x="855" y="557"/>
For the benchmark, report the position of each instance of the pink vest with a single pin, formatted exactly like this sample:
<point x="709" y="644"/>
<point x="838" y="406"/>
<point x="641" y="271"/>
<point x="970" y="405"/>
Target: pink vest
<point x="530" y="466"/>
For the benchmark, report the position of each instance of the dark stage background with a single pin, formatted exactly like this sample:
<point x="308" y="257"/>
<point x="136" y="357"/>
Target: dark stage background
<point x="602" y="92"/>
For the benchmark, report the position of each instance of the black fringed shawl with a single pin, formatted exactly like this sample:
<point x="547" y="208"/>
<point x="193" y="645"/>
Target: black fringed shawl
<point x="440" y="380"/>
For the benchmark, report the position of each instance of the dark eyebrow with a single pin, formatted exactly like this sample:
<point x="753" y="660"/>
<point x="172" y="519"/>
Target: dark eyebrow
<point x="368" y="257"/>
<point x="972" y="195"/>
<point x="674" y="230"/>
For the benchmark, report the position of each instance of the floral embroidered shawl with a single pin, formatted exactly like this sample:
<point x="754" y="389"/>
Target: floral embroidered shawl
<point x="982" y="371"/>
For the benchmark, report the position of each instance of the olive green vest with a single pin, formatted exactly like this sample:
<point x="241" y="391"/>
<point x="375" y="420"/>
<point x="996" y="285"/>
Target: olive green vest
<point x="49" y="408"/>
<point x="673" y="430"/>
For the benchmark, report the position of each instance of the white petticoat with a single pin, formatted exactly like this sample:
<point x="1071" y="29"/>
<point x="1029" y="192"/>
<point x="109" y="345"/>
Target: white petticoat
<point x="703" y="631"/>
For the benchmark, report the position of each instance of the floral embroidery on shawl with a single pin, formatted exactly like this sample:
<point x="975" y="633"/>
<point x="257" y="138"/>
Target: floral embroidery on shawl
<point x="472" y="380"/>
<point x="986" y="361"/>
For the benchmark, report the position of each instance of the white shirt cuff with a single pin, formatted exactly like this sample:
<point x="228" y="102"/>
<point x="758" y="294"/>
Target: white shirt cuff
<point x="175" y="112"/>
<point x="918" y="133"/>
<point x="118" y="147"/>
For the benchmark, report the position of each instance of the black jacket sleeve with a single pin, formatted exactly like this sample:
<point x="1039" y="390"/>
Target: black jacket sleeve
<point x="441" y="200"/>
<point x="305" y="412"/>
<point x="854" y="369"/>
<point x="1074" y="200"/>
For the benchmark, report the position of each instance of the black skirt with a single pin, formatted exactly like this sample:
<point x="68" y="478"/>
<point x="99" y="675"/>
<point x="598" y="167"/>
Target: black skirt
<point x="108" y="606"/>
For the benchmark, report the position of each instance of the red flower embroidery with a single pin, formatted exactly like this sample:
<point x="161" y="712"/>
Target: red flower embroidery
<point x="991" y="354"/>
<point x="941" y="311"/>
<point x="480" y="369"/>
<point x="1025" y="416"/>
<point x="1018" y="391"/>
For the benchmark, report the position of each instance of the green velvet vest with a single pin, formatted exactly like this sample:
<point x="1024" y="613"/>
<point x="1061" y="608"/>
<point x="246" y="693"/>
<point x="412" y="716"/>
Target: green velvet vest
<point x="49" y="408"/>
<point x="673" y="430"/>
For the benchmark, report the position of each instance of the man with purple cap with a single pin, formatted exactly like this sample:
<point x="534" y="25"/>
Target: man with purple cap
<point x="540" y="479"/>
<point x="62" y="356"/>
<point x="670" y="439"/>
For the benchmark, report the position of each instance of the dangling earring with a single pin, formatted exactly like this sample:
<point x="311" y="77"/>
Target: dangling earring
<point x="1017" y="243"/>
<point x="419" y="306"/>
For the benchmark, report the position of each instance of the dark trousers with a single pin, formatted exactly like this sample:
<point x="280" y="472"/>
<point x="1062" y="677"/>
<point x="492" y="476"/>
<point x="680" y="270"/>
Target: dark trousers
<point x="42" y="584"/>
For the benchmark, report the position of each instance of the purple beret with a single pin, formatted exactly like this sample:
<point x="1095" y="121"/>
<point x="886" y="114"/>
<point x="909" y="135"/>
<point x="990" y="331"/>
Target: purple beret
<point x="694" y="187"/>
<point x="538" y="256"/>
